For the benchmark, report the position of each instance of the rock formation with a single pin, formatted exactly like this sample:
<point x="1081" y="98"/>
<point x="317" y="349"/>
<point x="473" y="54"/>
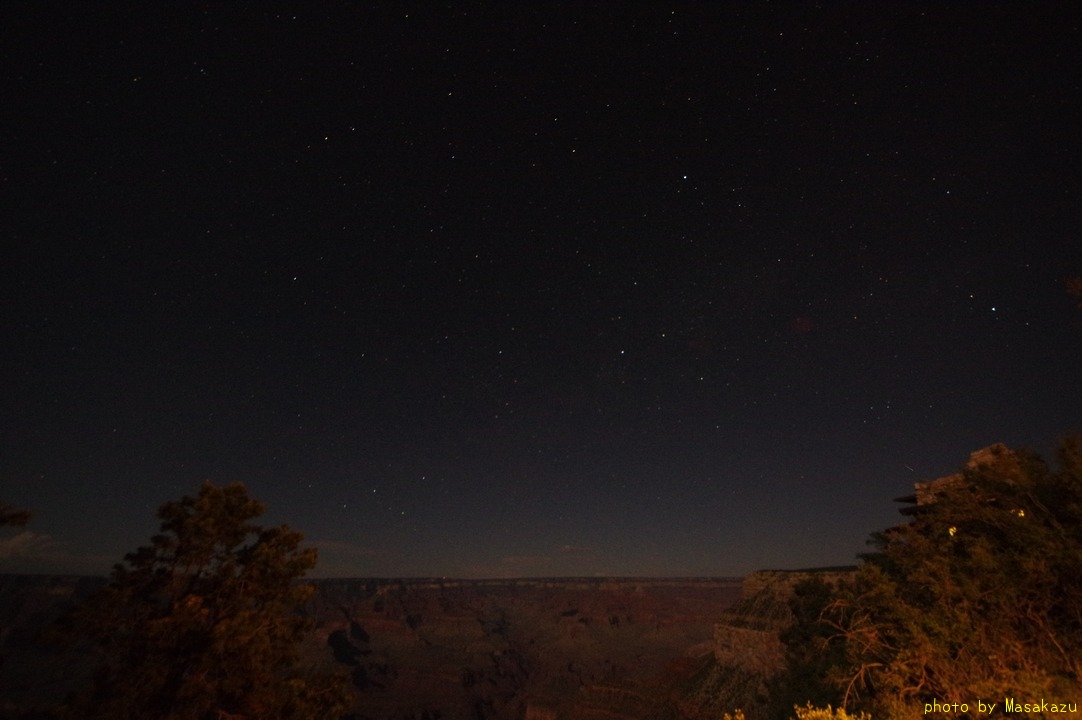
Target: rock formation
<point x="747" y="649"/>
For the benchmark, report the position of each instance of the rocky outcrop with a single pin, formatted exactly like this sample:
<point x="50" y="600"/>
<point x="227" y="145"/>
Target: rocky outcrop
<point x="759" y="651"/>
<point x="772" y="585"/>
<point x="747" y="648"/>
<point x="747" y="635"/>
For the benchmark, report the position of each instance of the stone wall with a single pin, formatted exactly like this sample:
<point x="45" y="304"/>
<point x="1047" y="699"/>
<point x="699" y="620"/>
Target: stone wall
<point x="757" y="650"/>
<point x="748" y="635"/>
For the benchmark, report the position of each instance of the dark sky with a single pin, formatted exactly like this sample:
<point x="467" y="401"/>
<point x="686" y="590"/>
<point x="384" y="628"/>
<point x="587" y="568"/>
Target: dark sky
<point x="520" y="289"/>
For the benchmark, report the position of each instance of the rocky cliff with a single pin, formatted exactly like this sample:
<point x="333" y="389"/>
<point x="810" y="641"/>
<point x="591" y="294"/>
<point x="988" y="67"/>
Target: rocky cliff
<point x="747" y="649"/>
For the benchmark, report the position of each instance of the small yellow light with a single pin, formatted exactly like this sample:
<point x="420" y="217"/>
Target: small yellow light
<point x="953" y="530"/>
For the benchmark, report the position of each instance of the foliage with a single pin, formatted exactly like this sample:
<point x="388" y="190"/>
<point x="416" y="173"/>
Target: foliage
<point x="1074" y="287"/>
<point x="811" y="651"/>
<point x="980" y="595"/>
<point x="204" y="623"/>
<point x="808" y="712"/>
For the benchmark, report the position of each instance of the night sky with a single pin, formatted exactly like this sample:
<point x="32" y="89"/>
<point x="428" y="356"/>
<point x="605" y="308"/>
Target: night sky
<point x="530" y="289"/>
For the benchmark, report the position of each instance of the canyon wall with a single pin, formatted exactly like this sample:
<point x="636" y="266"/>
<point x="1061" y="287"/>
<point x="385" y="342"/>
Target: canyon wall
<point x="538" y="648"/>
<point x="542" y="649"/>
<point x="550" y="648"/>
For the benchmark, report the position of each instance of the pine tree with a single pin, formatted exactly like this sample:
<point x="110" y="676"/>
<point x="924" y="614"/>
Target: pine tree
<point x="10" y="515"/>
<point x="204" y="623"/>
<point x="978" y="595"/>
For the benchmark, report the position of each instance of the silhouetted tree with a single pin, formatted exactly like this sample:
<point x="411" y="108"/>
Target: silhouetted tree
<point x="10" y="515"/>
<point x="812" y="652"/>
<point x="204" y="623"/>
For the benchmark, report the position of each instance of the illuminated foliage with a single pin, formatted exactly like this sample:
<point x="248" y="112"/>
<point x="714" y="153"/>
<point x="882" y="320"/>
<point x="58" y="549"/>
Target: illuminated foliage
<point x="979" y="595"/>
<point x="204" y="622"/>
<point x="808" y="712"/>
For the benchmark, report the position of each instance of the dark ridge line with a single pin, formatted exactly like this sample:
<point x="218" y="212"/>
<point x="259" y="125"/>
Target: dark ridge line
<point x="824" y="568"/>
<point x="556" y="579"/>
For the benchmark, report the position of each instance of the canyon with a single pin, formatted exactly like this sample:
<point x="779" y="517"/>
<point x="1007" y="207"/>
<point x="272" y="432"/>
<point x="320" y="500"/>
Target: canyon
<point x="539" y="648"/>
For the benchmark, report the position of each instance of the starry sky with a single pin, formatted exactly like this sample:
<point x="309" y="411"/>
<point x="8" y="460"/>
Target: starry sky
<point x="529" y="289"/>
